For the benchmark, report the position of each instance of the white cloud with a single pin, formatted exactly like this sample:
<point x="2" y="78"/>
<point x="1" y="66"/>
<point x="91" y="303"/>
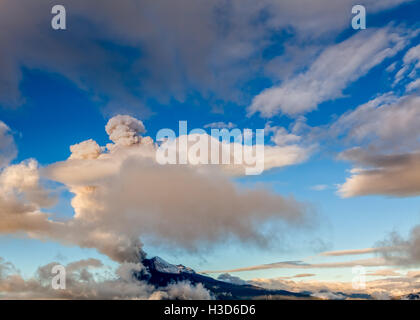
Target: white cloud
<point x="334" y="69"/>
<point x="387" y="123"/>
<point x="281" y="137"/>
<point x="411" y="62"/>
<point x="414" y="85"/>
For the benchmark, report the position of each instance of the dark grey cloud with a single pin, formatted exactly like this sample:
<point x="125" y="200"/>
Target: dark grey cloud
<point x="8" y="149"/>
<point x="122" y="54"/>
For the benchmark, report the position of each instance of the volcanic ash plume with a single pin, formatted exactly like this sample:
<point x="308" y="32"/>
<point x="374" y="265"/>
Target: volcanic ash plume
<point x="121" y="195"/>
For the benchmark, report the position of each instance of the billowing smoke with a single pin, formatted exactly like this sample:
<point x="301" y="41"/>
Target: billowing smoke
<point x="122" y="195"/>
<point x="124" y="130"/>
<point x="88" y="149"/>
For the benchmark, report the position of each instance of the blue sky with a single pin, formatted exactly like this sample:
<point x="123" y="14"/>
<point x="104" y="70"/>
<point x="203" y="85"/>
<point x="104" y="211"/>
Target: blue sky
<point x="106" y="71"/>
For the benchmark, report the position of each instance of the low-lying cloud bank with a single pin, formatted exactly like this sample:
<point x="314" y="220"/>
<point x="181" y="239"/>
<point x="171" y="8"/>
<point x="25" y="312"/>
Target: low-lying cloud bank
<point x="387" y="283"/>
<point x="82" y="282"/>
<point x="385" y="288"/>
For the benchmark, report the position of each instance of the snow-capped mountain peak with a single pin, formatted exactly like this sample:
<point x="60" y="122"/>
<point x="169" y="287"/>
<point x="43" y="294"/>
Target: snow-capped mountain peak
<point x="160" y="273"/>
<point x="163" y="266"/>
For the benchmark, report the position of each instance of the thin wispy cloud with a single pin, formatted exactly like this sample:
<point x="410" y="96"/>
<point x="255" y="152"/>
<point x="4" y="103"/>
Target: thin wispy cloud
<point x="371" y="262"/>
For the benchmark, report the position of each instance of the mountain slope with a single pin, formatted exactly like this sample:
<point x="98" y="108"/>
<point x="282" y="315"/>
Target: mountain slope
<point x="161" y="273"/>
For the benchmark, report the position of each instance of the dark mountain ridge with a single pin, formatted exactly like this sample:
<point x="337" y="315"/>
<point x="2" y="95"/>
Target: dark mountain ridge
<point x="161" y="273"/>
